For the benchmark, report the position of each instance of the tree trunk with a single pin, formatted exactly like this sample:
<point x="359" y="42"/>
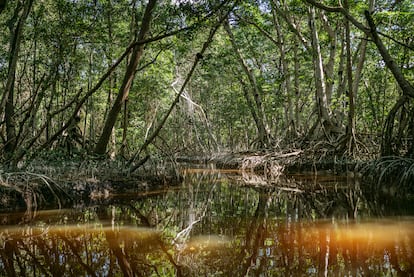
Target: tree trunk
<point x="387" y="148"/>
<point x="197" y="59"/>
<point x="297" y="87"/>
<point x="89" y="107"/>
<point x="350" y="134"/>
<point x="125" y="121"/>
<point x="340" y="90"/>
<point x="7" y="103"/>
<point x="250" y="103"/>
<point x="353" y="83"/>
<point x="324" y="111"/>
<point x="329" y="67"/>
<point x="406" y="87"/>
<point x="111" y="79"/>
<point x="260" y="123"/>
<point x="286" y="85"/>
<point x="137" y="53"/>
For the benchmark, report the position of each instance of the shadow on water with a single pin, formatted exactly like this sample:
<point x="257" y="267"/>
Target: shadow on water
<point x="223" y="223"/>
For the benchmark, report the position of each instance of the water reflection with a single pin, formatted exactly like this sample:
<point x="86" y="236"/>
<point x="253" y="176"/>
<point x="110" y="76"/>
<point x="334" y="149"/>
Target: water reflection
<point x="215" y="224"/>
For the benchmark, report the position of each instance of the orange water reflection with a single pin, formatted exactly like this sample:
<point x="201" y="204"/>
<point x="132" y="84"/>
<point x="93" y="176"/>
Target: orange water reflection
<point x="220" y="223"/>
<point x="264" y="246"/>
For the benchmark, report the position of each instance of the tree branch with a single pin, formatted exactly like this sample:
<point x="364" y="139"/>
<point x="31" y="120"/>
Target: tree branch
<point x="406" y="87"/>
<point x="198" y="57"/>
<point x="341" y="10"/>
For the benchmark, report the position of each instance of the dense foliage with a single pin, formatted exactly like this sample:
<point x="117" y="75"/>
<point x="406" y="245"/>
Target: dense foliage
<point x="131" y="78"/>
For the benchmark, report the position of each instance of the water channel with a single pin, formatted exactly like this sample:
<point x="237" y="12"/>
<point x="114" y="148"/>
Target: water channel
<point x="219" y="223"/>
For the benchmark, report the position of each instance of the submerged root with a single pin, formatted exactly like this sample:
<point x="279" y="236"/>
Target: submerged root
<point x="30" y="189"/>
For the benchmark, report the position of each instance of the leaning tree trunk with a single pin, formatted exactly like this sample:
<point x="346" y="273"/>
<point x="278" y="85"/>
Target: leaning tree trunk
<point x="264" y="137"/>
<point x="7" y="103"/>
<point x="157" y="129"/>
<point x="137" y="53"/>
<point x="406" y="87"/>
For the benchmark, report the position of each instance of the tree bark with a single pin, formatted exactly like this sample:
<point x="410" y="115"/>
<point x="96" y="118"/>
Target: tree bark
<point x="250" y="102"/>
<point x="324" y="111"/>
<point x="111" y="78"/>
<point x="157" y="130"/>
<point x="387" y="148"/>
<point x="261" y="126"/>
<point x="329" y="67"/>
<point x="286" y="85"/>
<point x="7" y="103"/>
<point x="340" y="90"/>
<point x="137" y="53"/>
<point x="406" y="87"/>
<point x="350" y="134"/>
<point x="297" y="87"/>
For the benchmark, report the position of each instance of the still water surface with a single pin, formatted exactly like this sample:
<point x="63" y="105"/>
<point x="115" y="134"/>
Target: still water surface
<point x="219" y="223"/>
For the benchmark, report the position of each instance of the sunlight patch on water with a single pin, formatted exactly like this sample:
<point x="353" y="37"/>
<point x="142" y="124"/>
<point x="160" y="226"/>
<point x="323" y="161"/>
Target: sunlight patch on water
<point x="216" y="223"/>
<point x="206" y="242"/>
<point x="379" y="235"/>
<point x="127" y="233"/>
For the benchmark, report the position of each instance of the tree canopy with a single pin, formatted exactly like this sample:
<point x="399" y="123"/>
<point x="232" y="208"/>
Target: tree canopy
<point x="129" y="79"/>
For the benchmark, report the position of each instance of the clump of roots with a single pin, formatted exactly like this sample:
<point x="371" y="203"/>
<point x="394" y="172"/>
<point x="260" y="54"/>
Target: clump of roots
<point x="28" y="190"/>
<point x="391" y="175"/>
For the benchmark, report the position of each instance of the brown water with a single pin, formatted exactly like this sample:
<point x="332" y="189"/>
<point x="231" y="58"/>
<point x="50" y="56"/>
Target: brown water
<point x="219" y="223"/>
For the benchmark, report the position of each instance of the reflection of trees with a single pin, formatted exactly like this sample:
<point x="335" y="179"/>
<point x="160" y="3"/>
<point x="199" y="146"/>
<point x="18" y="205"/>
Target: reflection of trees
<point x="310" y="196"/>
<point x="255" y="235"/>
<point x="139" y="258"/>
<point x="33" y="252"/>
<point x="76" y="251"/>
<point x="214" y="225"/>
<point x="282" y="238"/>
<point x="31" y="191"/>
<point x="278" y="248"/>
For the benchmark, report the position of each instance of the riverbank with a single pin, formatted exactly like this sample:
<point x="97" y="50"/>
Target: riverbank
<point x="65" y="183"/>
<point x="62" y="183"/>
<point x="393" y="175"/>
<point x="283" y="162"/>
